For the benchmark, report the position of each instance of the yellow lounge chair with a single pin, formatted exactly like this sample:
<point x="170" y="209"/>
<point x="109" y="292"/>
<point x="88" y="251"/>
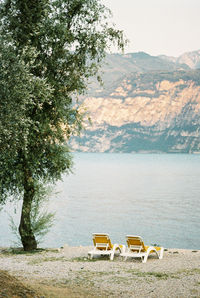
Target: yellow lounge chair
<point x="103" y="246"/>
<point x="137" y="249"/>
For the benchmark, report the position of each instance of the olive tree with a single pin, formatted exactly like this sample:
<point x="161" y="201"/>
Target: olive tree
<point x="48" y="51"/>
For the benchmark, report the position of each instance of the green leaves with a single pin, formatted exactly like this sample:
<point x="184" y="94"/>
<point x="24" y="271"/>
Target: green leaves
<point x="21" y="93"/>
<point x="48" y="51"/>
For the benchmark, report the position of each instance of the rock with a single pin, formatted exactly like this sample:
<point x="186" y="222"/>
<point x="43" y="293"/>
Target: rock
<point x="146" y="112"/>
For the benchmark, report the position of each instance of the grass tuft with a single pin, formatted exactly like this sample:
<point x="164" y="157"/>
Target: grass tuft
<point x="20" y="251"/>
<point x="47" y="259"/>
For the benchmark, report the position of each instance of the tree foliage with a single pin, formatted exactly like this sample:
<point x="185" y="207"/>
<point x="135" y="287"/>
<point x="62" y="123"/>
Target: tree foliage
<point x="48" y="51"/>
<point x="20" y="91"/>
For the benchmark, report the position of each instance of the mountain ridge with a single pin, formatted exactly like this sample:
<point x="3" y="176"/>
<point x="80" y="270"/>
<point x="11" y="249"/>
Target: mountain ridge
<point x="144" y="111"/>
<point x="191" y="59"/>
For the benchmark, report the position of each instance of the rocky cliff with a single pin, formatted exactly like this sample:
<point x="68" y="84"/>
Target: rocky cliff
<point x="149" y="111"/>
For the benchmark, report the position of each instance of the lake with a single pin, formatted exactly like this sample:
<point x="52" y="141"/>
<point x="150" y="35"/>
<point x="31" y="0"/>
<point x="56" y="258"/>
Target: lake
<point x="156" y="196"/>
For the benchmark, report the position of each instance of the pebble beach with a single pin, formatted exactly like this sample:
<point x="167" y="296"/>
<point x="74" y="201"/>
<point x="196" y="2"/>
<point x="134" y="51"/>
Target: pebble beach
<point x="176" y="275"/>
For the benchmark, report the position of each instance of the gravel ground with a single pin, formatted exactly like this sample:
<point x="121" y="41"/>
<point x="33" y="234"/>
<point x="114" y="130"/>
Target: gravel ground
<point x="176" y="275"/>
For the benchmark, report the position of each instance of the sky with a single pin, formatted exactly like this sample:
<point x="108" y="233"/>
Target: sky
<point x="158" y="27"/>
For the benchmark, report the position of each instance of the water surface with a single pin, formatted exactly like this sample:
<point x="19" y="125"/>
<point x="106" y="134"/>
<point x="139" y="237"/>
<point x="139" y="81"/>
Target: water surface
<point x="152" y="195"/>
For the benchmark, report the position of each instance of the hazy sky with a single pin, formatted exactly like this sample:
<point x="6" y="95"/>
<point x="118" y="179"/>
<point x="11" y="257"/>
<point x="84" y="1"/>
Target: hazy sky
<point x="169" y="27"/>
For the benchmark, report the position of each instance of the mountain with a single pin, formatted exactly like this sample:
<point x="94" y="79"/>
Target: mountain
<point x="192" y="59"/>
<point x="153" y="109"/>
<point x="116" y="66"/>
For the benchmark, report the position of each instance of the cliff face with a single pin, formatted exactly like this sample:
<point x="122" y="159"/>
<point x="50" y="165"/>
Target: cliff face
<point x="145" y="112"/>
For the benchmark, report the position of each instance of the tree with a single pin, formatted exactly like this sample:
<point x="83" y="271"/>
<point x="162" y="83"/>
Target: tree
<point x="49" y="49"/>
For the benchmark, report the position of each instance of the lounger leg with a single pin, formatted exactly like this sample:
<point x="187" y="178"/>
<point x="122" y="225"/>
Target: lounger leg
<point x="161" y="253"/>
<point x="112" y="256"/>
<point x="114" y="249"/>
<point x="123" y="249"/>
<point x="90" y="256"/>
<point x="144" y="259"/>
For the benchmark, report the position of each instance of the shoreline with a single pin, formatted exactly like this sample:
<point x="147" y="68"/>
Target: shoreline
<point x="69" y="269"/>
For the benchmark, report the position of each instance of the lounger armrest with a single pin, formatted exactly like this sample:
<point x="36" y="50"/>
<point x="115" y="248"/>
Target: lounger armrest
<point x="122" y="248"/>
<point x="159" y="251"/>
<point x="115" y="246"/>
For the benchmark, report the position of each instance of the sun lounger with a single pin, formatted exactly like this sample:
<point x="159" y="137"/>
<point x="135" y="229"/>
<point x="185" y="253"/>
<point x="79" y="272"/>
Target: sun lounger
<point x="103" y="246"/>
<point x="137" y="249"/>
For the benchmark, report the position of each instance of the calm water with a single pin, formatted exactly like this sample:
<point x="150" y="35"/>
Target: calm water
<point x="152" y="195"/>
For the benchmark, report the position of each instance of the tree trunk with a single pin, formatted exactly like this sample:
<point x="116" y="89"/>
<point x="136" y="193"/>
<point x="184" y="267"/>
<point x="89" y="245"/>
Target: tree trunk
<point x="25" y="228"/>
